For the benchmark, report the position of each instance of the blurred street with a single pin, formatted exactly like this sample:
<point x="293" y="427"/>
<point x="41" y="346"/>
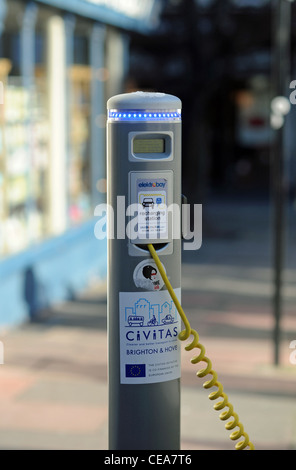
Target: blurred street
<point x="53" y="391"/>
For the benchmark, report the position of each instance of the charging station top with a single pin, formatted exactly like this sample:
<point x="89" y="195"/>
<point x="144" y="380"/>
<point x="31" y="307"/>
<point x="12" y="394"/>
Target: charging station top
<point x="142" y="106"/>
<point x="144" y="100"/>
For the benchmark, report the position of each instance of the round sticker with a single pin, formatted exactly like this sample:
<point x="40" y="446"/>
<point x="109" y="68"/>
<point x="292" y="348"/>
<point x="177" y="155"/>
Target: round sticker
<point x="146" y="276"/>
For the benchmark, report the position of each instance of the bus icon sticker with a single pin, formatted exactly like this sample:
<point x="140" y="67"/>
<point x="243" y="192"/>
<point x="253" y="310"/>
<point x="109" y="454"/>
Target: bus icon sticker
<point x="135" y="321"/>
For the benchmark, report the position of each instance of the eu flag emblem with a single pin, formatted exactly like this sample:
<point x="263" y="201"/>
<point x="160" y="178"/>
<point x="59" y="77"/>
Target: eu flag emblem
<point x="135" y="370"/>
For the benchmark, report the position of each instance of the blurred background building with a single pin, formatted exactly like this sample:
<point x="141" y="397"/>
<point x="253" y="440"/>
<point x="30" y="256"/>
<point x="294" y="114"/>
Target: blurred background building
<point x="60" y="60"/>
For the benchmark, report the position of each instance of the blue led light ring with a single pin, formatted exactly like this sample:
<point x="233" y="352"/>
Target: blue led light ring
<point x="139" y="115"/>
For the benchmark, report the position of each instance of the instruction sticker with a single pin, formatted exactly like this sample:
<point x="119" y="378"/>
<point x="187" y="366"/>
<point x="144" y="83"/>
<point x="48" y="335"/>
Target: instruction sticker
<point x="149" y="345"/>
<point x="152" y="198"/>
<point x="146" y="276"/>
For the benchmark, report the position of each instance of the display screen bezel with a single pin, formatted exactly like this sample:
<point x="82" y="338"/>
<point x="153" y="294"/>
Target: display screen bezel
<point x="165" y="149"/>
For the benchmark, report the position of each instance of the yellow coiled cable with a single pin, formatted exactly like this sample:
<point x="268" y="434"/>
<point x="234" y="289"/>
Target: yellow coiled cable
<point x="219" y="393"/>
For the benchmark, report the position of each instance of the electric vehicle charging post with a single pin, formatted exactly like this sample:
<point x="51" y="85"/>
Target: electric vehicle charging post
<point x="144" y="185"/>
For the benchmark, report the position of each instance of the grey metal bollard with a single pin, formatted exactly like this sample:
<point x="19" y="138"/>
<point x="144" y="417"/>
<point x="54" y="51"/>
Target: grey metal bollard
<point x="144" y="185"/>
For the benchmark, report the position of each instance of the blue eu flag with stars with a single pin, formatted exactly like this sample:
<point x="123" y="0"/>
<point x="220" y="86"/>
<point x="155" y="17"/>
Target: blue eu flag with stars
<point x="135" y="370"/>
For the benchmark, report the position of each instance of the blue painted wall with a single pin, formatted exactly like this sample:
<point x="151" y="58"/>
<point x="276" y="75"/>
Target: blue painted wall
<point x="53" y="271"/>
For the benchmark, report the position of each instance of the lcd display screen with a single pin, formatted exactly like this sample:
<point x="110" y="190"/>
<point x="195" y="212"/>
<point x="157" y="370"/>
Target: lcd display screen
<point x="149" y="146"/>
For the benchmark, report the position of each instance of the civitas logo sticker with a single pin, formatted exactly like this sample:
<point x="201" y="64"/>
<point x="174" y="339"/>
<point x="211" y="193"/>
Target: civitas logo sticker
<point x="146" y="276"/>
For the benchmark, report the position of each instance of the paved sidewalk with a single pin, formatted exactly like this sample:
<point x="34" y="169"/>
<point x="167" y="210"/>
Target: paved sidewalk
<point x="53" y="392"/>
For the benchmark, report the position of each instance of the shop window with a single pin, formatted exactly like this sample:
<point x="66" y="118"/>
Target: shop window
<point x="79" y="162"/>
<point x="24" y="148"/>
<point x="25" y="165"/>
